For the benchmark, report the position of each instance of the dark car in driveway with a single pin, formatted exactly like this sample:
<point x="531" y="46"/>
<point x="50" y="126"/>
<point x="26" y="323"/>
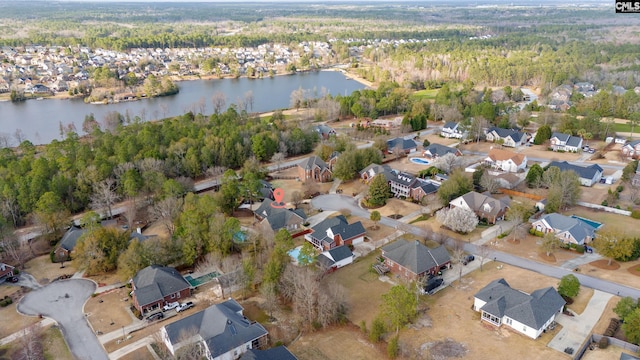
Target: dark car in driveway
<point x="467" y="259"/>
<point x="432" y="284"/>
<point x="12" y="279"/>
<point x="155" y="316"/>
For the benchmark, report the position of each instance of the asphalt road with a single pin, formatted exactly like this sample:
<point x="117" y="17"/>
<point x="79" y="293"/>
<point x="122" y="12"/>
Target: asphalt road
<point x="338" y="202"/>
<point x="63" y="301"/>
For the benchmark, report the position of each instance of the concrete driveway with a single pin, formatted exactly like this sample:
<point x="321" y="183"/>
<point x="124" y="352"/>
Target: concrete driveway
<point x="63" y="301"/>
<point x="576" y="329"/>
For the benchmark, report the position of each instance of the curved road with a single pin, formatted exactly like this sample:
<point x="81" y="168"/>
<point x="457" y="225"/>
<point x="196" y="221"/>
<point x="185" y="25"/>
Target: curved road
<point x="63" y="301"/>
<point x="338" y="202"/>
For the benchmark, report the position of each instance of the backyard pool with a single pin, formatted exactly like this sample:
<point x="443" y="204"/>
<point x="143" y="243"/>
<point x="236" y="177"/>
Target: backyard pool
<point x="419" y="161"/>
<point x="295" y="254"/>
<point x="201" y="279"/>
<point x="596" y="225"/>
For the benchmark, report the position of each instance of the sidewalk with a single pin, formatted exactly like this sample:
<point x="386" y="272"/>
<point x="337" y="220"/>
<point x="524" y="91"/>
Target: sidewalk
<point x="117" y="334"/>
<point x="43" y="323"/>
<point x="148" y="340"/>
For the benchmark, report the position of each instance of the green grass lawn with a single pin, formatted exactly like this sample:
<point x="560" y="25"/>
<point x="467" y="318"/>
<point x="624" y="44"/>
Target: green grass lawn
<point x="425" y="94"/>
<point x="626" y="128"/>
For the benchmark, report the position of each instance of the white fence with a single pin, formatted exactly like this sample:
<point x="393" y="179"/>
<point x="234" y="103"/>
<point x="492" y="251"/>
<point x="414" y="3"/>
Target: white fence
<point x="605" y="208"/>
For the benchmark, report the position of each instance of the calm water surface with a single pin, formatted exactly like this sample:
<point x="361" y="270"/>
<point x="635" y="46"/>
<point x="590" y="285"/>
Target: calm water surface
<point x="40" y="121"/>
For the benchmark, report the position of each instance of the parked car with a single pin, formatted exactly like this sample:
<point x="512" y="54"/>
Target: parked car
<point x="171" y="305"/>
<point x="185" y="306"/>
<point x="155" y="316"/>
<point x="467" y="259"/>
<point x="432" y="284"/>
<point x="592" y="151"/>
<point x="12" y="279"/>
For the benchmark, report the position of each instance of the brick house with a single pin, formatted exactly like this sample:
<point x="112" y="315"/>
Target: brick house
<point x="411" y="260"/>
<point x="156" y="285"/>
<point x="484" y="206"/>
<point x="5" y="271"/>
<point x="334" y="232"/>
<point x="315" y="169"/>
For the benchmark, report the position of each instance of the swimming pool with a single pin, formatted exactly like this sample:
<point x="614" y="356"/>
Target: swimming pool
<point x="596" y="225"/>
<point x="419" y="161"/>
<point x="296" y="256"/>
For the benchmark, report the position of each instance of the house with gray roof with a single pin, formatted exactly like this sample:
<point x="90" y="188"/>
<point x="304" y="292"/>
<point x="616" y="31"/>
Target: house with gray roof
<point x="367" y="174"/>
<point x="566" y="228"/>
<point x="315" y="169"/>
<point x="407" y="146"/>
<point x="221" y="331"/>
<point x="334" y="232"/>
<point x="156" y="285"/>
<point x="483" y="205"/>
<point x="274" y="218"/>
<point x="68" y="242"/>
<point x="510" y="137"/>
<point x="452" y="130"/>
<point x="277" y="353"/>
<point x="565" y="142"/>
<point x="335" y="258"/>
<point x="588" y="175"/>
<point x="528" y="314"/>
<point x="434" y="151"/>
<point x="412" y="260"/>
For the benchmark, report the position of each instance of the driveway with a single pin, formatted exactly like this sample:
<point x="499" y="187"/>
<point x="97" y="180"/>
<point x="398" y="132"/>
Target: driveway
<point x="63" y="301"/>
<point x="575" y="329"/>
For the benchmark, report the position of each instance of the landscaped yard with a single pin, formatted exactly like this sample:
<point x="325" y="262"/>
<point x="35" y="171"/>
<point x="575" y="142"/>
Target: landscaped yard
<point x="54" y="345"/>
<point x="140" y="354"/>
<point x="628" y="224"/>
<point x="396" y="206"/>
<point x="429" y="94"/>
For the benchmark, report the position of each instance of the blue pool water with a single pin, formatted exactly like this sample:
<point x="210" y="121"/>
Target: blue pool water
<point x="240" y="237"/>
<point x="596" y="225"/>
<point x="294" y="253"/>
<point x="419" y="161"/>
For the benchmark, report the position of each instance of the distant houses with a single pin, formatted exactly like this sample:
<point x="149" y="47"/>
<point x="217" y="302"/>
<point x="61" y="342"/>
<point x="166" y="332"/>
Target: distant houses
<point x="509" y="137"/>
<point x="452" y="130"/>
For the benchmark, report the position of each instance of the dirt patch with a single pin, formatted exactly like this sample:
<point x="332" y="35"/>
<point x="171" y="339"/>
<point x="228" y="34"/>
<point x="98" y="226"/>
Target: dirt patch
<point x="550" y="259"/>
<point x="140" y="354"/>
<point x="12" y="321"/>
<point x="446" y="349"/>
<point x="635" y="270"/>
<point x="110" y="311"/>
<point x="44" y="271"/>
<point x="374" y="232"/>
<point x="530" y="249"/>
<point x="335" y="343"/>
<point x="604" y="264"/>
<point x="580" y="302"/>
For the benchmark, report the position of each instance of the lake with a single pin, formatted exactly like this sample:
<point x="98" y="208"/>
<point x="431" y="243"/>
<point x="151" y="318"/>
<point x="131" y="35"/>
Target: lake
<point x="40" y="121"/>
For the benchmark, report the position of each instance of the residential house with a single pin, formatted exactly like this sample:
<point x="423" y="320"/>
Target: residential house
<point x="510" y="137"/>
<point x="568" y="229"/>
<point x="68" y="242"/>
<point x="401" y="184"/>
<point x="387" y="124"/>
<point x="560" y="98"/>
<point x="631" y="149"/>
<point x="507" y="180"/>
<point x="276" y="353"/>
<point x="335" y="258"/>
<point x="421" y="188"/>
<point x="412" y="260"/>
<point x="565" y="142"/>
<point x="324" y="131"/>
<point x="5" y="271"/>
<point x="434" y="151"/>
<point x="221" y="331"/>
<point x="266" y="190"/>
<point x="156" y="285"/>
<point x="406" y="146"/>
<point x="484" y="206"/>
<point x="587" y="89"/>
<point x="588" y="174"/>
<point x="315" y="169"/>
<point x="275" y="218"/>
<point x="452" y="130"/>
<point x="506" y="160"/>
<point x="367" y="174"/>
<point x="528" y="314"/>
<point x="334" y="232"/>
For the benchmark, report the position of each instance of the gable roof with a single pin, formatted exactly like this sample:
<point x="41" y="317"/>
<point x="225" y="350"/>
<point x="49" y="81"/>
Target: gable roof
<point x="313" y="161"/>
<point x="416" y="257"/>
<point x="426" y="186"/>
<point x="451" y="125"/>
<point x="484" y="203"/>
<point x="375" y="169"/>
<point x="404" y="144"/>
<point x="569" y="140"/>
<point x="155" y="282"/>
<point x="504" y="133"/>
<point x="278" y="217"/>
<point x="562" y="223"/>
<point x="276" y="353"/>
<point x="328" y="258"/>
<point x="338" y="226"/>
<point x="70" y="238"/>
<point x="532" y="310"/>
<point x="585" y="172"/>
<point x="496" y="154"/>
<point x="221" y="326"/>
<point x="440" y="150"/>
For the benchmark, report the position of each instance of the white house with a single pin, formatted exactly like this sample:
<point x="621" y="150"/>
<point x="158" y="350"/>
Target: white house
<point x="452" y="130"/>
<point x="565" y="142"/>
<point x="528" y="314"/>
<point x="335" y="258"/>
<point x="506" y="160"/>
<point x="566" y="228"/>
<point x="510" y="137"/>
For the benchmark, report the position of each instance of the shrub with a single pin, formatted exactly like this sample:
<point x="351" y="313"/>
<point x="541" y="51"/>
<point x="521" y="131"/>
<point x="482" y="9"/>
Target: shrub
<point x="363" y="326"/>
<point x="377" y="330"/>
<point x="52" y="256"/>
<point x="603" y="343"/>
<point x="16" y="271"/>
<point x="393" y="348"/>
<point x="604" y="203"/>
<point x="620" y="188"/>
<point x="580" y="249"/>
<point x="534" y="232"/>
<point x="635" y="214"/>
<point x="135" y="312"/>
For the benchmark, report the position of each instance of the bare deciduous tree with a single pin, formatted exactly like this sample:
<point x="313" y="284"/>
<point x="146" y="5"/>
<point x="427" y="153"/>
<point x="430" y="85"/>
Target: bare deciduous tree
<point x="104" y="196"/>
<point x="31" y="347"/>
<point x="447" y="163"/>
<point x="489" y="183"/>
<point x="278" y="158"/>
<point x="14" y="250"/>
<point x="484" y="251"/>
<point x="218" y="100"/>
<point x="458" y="257"/>
<point x="167" y="211"/>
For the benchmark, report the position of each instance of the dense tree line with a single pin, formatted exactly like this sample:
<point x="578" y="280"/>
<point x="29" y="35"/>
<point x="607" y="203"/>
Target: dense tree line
<point x="138" y="157"/>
